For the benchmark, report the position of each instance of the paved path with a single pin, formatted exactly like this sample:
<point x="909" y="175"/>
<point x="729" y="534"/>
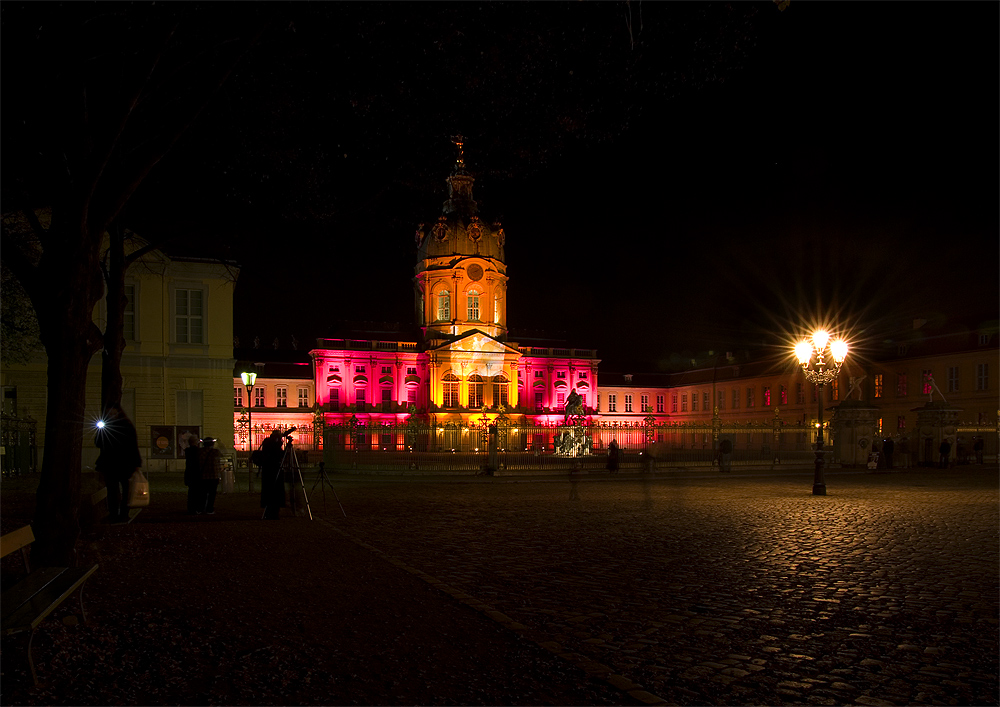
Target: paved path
<point x="718" y="590"/>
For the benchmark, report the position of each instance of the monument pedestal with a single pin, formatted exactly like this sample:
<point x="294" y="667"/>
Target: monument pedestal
<point x="936" y="422"/>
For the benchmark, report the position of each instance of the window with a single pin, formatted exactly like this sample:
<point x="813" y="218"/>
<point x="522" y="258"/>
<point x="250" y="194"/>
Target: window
<point x="982" y="376"/>
<point x="598" y="402"/>
<point x="767" y="396"/>
<point x="659" y="403"/>
<point x="189" y="316"/>
<point x="901" y="390"/>
<point x="538" y="374"/>
<point x="673" y="402"/>
<point x="952" y="379"/>
<point x="612" y="402"/>
<point x="901" y="422"/>
<point x="359" y="369"/>
<point x="684" y="402"/>
<point x="984" y="339"/>
<point x="189" y="407"/>
<point x="561" y="374"/>
<point x="496" y="307"/>
<point x="500" y="386"/>
<point x="303" y="397"/>
<point x="386" y="400"/>
<point x="473" y="305"/>
<point x="258" y="397"/>
<point x="750" y="397"/>
<point x="411" y="370"/>
<point x="582" y="375"/>
<point x="800" y="393"/>
<point x="281" y="396"/>
<point x="721" y="400"/>
<point x="334" y="399"/>
<point x="736" y="399"/>
<point x="704" y="399"/>
<point x="386" y="370"/>
<point x="560" y="401"/>
<point x="411" y="395"/>
<point x="877" y="382"/>
<point x="450" y="390"/>
<point x="927" y="375"/>
<point x="475" y="391"/>
<point x="539" y="399"/>
<point x="783" y="395"/>
<point x="644" y="402"/>
<point x="835" y="389"/>
<point x="444" y="306"/>
<point x="694" y="402"/>
<point x="237" y="397"/>
<point x="128" y="315"/>
<point x="360" y="399"/>
<point x="628" y="402"/>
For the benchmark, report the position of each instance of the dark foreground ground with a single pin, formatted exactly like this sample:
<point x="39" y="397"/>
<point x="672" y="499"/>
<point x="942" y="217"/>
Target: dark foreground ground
<point x="690" y="590"/>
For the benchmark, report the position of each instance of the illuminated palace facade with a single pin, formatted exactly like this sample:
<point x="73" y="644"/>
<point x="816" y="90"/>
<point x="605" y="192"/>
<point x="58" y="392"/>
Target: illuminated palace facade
<point x="463" y="363"/>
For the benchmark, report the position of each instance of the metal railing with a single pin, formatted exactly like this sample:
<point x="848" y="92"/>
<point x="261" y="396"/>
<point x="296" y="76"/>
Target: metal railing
<point x="20" y="451"/>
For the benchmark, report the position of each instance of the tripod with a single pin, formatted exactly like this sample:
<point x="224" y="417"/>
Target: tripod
<point x="322" y="478"/>
<point x="290" y="463"/>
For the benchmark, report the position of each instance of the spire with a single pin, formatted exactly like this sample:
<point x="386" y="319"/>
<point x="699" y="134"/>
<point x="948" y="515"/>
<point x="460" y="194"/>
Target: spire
<point x="460" y="184"/>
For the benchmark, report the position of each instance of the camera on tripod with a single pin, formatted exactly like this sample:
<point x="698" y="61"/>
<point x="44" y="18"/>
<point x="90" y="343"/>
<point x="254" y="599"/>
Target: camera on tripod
<point x="287" y="434"/>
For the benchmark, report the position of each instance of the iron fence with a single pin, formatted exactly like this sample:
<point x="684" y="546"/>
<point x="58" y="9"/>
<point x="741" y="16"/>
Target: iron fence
<point x="458" y="447"/>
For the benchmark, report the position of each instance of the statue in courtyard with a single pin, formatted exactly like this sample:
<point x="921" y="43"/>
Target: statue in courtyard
<point x="574" y="406"/>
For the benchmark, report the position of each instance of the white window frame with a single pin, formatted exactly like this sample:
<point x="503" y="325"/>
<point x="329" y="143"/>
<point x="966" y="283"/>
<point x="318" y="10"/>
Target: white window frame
<point x="472" y="300"/>
<point x="259" y="400"/>
<point x="443" y="305"/>
<point x="303" y="395"/>
<point x="628" y="402"/>
<point x="189" y="318"/>
<point x="237" y="396"/>
<point x="982" y="376"/>
<point x="612" y="402"/>
<point x="281" y="396"/>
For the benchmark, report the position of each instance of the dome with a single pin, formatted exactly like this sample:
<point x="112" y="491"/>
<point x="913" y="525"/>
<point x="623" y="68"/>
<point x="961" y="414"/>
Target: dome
<point x="459" y="231"/>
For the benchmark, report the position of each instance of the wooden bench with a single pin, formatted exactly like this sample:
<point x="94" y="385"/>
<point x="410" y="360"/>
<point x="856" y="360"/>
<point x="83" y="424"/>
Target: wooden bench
<point x="25" y="605"/>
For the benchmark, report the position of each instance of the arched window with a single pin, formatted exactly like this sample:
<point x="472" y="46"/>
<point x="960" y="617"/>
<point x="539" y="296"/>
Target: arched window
<point x="450" y="386"/>
<point x="500" y="390"/>
<point x="473" y="305"/>
<point x="444" y="305"/>
<point x="475" y="391"/>
<point x="497" y="307"/>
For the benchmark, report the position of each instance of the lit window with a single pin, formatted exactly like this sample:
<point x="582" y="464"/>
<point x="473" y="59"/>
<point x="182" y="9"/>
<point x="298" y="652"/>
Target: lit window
<point x="628" y="402"/>
<point x="878" y="385"/>
<point x="659" y="403"/>
<point x="952" y="379"/>
<point x="982" y="376"/>
<point x="500" y="387"/>
<point x="645" y="403"/>
<point x="783" y="395"/>
<point x="736" y="398"/>
<point x="237" y="397"/>
<point x="901" y="387"/>
<point x="684" y="402"/>
<point x="450" y="387"/>
<point x="303" y="397"/>
<point x="473" y="305"/>
<point x="475" y="391"/>
<point x="258" y="397"/>
<point x="767" y="396"/>
<point x="281" y="396"/>
<point x="835" y="389"/>
<point x="694" y="402"/>
<point x="444" y="305"/>
<point x="927" y="381"/>
<point x="497" y="307"/>
<point x="673" y="402"/>
<point x="189" y="316"/>
<point x="612" y="402"/>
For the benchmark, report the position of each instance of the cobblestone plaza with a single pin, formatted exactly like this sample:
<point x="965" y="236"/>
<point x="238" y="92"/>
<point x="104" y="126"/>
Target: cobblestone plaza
<point x="719" y="590"/>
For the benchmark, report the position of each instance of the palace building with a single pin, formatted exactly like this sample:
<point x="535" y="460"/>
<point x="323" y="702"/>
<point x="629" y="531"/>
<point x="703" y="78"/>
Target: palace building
<point x="463" y="362"/>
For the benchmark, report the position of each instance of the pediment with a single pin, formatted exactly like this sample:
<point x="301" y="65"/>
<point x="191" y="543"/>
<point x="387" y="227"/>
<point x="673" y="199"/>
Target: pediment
<point x="476" y="341"/>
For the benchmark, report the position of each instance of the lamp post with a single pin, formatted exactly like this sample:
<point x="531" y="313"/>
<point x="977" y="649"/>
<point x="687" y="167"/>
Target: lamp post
<point x="249" y="377"/>
<point x="821" y="360"/>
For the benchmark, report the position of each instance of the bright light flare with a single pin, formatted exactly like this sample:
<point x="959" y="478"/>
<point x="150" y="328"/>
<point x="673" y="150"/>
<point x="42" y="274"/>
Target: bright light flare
<point x="803" y="351"/>
<point x="820" y="337"/>
<point x="100" y="424"/>
<point x="838" y="348"/>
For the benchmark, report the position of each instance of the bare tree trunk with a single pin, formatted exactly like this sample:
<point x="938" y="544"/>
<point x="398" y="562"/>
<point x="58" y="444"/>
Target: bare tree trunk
<point x="114" y="339"/>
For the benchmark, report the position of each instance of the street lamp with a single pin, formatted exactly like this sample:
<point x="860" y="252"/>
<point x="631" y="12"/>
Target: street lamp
<point x="821" y="360"/>
<point x="249" y="377"/>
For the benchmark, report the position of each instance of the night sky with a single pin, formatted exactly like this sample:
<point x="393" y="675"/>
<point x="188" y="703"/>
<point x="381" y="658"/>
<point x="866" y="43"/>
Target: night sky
<point x="671" y="177"/>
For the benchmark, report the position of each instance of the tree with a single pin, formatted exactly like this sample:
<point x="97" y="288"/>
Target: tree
<point x="102" y="94"/>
